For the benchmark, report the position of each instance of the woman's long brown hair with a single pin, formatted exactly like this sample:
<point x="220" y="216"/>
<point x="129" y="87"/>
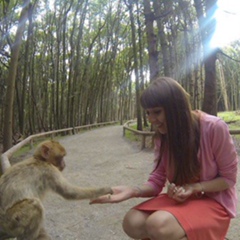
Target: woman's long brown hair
<point x="182" y="138"/>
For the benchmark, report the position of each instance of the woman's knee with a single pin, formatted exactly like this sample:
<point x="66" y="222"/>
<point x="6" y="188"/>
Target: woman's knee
<point x="134" y="223"/>
<point x="163" y="225"/>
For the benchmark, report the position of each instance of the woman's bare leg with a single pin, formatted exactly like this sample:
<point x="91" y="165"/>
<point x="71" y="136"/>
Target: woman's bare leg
<point x="134" y="224"/>
<point x="155" y="226"/>
<point x="163" y="225"/>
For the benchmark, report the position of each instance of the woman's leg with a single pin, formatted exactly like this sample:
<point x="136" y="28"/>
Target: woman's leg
<point x="134" y="224"/>
<point x="159" y="225"/>
<point x="163" y="225"/>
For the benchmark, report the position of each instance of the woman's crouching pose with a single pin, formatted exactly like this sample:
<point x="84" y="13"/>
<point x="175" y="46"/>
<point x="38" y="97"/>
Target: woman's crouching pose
<point x="196" y="157"/>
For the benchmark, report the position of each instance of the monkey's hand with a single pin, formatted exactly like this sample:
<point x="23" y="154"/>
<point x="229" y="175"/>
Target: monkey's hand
<point x="120" y="193"/>
<point x="97" y="192"/>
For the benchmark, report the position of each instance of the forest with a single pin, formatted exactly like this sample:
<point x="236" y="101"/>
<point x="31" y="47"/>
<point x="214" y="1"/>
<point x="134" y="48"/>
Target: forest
<point x="78" y="62"/>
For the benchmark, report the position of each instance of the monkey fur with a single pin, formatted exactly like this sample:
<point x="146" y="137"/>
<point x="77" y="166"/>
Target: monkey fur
<point x="23" y="186"/>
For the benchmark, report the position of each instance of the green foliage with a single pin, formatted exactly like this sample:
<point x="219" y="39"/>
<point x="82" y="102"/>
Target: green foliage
<point x="76" y="60"/>
<point x="131" y="135"/>
<point x="232" y="116"/>
<point x="22" y="151"/>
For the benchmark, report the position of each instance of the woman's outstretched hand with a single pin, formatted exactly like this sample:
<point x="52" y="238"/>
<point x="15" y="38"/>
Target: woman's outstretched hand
<point x="120" y="193"/>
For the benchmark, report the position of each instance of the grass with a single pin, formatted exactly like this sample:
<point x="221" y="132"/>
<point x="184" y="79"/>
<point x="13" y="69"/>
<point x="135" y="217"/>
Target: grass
<point x="232" y="116"/>
<point x="232" y="119"/>
<point x="131" y="135"/>
<point x="22" y="151"/>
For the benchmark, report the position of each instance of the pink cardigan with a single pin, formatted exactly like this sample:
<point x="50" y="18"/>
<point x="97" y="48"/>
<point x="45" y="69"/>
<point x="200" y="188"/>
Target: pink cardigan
<point x="218" y="157"/>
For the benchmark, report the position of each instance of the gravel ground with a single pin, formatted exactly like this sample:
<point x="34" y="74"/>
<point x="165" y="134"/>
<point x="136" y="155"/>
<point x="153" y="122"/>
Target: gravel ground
<point x="102" y="157"/>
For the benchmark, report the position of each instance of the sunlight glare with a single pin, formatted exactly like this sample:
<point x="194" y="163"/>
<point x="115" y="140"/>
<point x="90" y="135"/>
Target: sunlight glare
<point x="228" y="19"/>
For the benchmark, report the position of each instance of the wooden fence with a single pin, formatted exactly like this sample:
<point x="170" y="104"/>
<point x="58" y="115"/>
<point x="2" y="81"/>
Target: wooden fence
<point x="145" y="134"/>
<point x="5" y="163"/>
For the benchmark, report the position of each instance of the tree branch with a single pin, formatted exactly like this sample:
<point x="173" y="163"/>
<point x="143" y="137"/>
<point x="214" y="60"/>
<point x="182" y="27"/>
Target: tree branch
<point x="224" y="54"/>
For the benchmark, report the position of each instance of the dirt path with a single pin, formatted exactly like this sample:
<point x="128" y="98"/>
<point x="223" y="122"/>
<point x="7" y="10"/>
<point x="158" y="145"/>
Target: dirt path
<point x="101" y="157"/>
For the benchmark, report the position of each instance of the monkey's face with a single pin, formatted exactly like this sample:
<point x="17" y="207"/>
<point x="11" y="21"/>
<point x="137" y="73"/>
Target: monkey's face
<point x="56" y="156"/>
<point x="59" y="163"/>
<point x="52" y="152"/>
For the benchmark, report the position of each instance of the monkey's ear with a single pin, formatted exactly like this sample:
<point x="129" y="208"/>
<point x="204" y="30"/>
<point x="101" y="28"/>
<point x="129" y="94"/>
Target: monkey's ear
<point x="45" y="151"/>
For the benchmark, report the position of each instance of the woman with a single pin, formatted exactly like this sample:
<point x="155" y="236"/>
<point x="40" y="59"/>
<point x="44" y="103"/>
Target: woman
<point x="195" y="154"/>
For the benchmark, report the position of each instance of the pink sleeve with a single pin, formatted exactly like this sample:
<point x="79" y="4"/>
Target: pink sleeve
<point x="157" y="178"/>
<point x="224" y="152"/>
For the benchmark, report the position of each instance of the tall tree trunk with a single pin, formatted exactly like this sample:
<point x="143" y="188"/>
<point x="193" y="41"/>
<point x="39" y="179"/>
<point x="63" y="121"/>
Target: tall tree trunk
<point x="223" y="87"/>
<point x="207" y="26"/>
<point x="161" y="12"/>
<point x="210" y="87"/>
<point x="15" y="49"/>
<point x="133" y="30"/>
<point x="151" y="40"/>
<point x="154" y="70"/>
<point x="22" y="88"/>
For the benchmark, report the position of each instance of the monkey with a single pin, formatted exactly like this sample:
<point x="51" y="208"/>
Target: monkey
<point x="24" y="185"/>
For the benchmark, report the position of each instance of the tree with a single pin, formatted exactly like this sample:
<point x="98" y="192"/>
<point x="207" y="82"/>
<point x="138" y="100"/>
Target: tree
<point x="136" y="64"/>
<point x="161" y="10"/>
<point x="78" y="57"/>
<point x="207" y="24"/>
<point x="15" y="48"/>
<point x="151" y="40"/>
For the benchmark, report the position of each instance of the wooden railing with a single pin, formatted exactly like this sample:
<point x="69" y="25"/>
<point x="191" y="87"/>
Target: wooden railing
<point x="5" y="163"/>
<point x="145" y="134"/>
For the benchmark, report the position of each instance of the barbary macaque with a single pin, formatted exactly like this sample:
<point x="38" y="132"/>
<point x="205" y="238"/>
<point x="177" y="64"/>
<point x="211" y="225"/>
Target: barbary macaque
<point x="23" y="186"/>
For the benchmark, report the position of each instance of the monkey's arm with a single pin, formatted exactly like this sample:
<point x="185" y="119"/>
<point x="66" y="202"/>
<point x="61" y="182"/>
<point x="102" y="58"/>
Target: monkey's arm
<point x="61" y="186"/>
